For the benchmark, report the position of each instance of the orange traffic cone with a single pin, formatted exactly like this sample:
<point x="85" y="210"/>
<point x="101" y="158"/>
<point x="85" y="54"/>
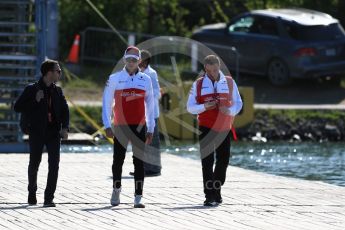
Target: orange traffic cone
<point x="73" y="56"/>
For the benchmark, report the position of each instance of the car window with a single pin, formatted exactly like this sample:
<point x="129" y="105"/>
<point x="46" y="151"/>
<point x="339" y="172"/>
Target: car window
<point x="264" y="25"/>
<point x="256" y="25"/>
<point x="314" y="33"/>
<point x="242" y="25"/>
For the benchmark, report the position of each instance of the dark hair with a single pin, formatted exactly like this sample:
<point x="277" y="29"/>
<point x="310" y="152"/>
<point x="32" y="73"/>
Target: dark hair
<point x="211" y="60"/>
<point x="145" y="56"/>
<point x="48" y="65"/>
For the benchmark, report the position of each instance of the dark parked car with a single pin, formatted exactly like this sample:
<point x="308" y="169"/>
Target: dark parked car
<point x="281" y="43"/>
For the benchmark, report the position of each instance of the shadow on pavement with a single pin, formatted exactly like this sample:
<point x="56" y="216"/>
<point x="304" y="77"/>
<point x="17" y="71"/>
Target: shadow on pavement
<point x="191" y="207"/>
<point x="24" y="206"/>
<point x="106" y="208"/>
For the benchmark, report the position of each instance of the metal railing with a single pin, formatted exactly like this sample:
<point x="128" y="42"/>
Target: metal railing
<point x="100" y="45"/>
<point x="104" y="45"/>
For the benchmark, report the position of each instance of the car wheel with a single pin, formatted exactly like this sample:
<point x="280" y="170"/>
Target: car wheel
<point x="278" y="73"/>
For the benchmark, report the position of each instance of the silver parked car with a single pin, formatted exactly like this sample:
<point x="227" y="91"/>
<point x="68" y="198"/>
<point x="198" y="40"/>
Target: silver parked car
<point x="281" y="43"/>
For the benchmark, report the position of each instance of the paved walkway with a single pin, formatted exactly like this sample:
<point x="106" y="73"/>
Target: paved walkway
<point x="173" y="201"/>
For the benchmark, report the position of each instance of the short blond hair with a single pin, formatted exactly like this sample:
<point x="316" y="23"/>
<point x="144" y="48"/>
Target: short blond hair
<point x="211" y="60"/>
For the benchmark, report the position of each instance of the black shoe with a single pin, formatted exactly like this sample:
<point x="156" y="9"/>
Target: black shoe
<point x="210" y="202"/>
<point x="49" y="204"/>
<point x="148" y="174"/>
<point x="32" y="199"/>
<point x="219" y="200"/>
<point x="218" y="197"/>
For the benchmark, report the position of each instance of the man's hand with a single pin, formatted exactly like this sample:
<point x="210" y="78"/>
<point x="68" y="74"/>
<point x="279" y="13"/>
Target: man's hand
<point x="39" y="95"/>
<point x="224" y="110"/>
<point x="148" y="138"/>
<point x="64" y="134"/>
<point x="210" y="105"/>
<point x="109" y="133"/>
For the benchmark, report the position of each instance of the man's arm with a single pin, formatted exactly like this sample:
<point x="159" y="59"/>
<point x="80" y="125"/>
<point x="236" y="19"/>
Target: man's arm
<point x="237" y="103"/>
<point x="192" y="105"/>
<point x="65" y="110"/>
<point x="108" y="100"/>
<point x="156" y="86"/>
<point x="149" y="111"/>
<point x="64" y="114"/>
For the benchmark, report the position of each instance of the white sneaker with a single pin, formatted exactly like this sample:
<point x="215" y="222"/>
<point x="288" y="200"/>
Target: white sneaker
<point x="115" y="197"/>
<point x="137" y="202"/>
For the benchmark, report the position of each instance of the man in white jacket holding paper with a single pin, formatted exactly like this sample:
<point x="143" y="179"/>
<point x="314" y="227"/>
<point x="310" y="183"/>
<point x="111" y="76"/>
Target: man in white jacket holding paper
<point x="216" y="100"/>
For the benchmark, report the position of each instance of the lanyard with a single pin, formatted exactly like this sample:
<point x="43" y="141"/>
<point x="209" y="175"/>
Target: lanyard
<point x="50" y="118"/>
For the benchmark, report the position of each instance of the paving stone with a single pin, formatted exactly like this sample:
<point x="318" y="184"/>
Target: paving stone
<point x="252" y="200"/>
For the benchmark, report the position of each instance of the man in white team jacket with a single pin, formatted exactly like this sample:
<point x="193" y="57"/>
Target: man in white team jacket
<point x="216" y="100"/>
<point x="128" y="96"/>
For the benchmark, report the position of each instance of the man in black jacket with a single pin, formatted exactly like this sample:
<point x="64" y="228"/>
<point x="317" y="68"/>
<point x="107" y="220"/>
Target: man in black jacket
<point x="48" y="121"/>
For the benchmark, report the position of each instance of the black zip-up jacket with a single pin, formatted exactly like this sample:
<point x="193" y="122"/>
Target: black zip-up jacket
<point x="38" y="111"/>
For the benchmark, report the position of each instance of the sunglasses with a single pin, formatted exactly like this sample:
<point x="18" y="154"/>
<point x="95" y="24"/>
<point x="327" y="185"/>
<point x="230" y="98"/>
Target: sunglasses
<point x="58" y="71"/>
<point x="131" y="60"/>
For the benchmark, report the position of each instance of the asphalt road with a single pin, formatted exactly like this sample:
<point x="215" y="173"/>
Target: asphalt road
<point x="300" y="92"/>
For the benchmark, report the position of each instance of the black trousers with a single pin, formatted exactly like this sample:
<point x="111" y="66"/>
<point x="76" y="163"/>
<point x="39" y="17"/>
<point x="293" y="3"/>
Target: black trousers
<point x="136" y="135"/>
<point x="152" y="161"/>
<point x="214" y="145"/>
<point x="51" y="140"/>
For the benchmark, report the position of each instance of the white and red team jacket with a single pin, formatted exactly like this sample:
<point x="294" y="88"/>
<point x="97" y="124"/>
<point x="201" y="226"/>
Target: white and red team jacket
<point x="219" y="90"/>
<point x="133" y="100"/>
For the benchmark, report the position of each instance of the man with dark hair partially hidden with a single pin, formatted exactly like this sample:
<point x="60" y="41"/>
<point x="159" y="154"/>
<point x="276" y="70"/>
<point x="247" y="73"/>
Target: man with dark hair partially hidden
<point x="48" y="122"/>
<point x="152" y="162"/>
